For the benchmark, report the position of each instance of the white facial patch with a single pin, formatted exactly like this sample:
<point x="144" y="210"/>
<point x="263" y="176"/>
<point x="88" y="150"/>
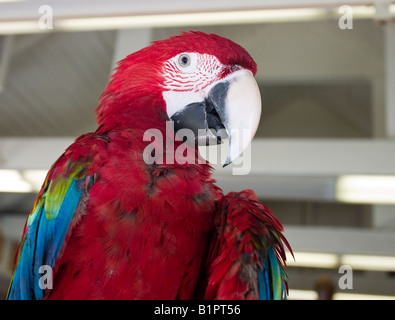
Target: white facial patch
<point x="185" y="84"/>
<point x="177" y="100"/>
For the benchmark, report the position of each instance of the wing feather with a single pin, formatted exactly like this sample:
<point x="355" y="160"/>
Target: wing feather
<point x="57" y="208"/>
<point x="44" y="236"/>
<point x="247" y="257"/>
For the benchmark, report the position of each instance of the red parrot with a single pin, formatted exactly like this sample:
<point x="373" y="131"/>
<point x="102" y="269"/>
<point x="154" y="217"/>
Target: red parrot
<point x="120" y="216"/>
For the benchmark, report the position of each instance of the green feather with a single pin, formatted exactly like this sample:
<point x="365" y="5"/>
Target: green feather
<point x="276" y="275"/>
<point x="57" y="191"/>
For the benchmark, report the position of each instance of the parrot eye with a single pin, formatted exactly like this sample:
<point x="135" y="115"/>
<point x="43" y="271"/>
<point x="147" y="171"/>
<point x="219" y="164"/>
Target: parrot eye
<point x="184" y="60"/>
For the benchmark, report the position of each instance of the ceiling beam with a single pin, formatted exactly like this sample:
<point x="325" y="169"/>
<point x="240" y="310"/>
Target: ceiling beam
<point x="292" y="169"/>
<point x="338" y="241"/>
<point x="31" y="153"/>
<point x="341" y="240"/>
<point x="320" y="157"/>
<point x="269" y="157"/>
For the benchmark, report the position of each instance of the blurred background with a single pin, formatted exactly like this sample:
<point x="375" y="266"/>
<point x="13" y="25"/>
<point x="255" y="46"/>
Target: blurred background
<point x="323" y="158"/>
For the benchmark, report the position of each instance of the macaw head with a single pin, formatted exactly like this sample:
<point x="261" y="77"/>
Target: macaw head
<point x="203" y="82"/>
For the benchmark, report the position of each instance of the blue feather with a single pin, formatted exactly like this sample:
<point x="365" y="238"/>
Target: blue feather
<point x="271" y="285"/>
<point x="276" y="274"/>
<point x="263" y="282"/>
<point x="43" y="241"/>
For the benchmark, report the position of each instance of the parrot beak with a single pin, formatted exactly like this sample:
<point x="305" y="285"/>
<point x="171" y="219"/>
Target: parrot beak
<point x="231" y="109"/>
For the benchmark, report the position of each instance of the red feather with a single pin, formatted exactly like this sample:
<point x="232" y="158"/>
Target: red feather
<point x="144" y="235"/>
<point x="246" y="229"/>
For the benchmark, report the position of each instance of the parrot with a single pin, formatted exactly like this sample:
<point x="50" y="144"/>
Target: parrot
<point x="121" y="217"/>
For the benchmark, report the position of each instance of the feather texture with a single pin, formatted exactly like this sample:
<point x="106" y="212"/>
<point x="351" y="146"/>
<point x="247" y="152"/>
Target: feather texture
<point x="247" y="259"/>
<point x="60" y="201"/>
<point x="44" y="236"/>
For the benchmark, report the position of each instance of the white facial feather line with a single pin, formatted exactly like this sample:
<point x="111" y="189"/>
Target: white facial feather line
<point x="203" y="70"/>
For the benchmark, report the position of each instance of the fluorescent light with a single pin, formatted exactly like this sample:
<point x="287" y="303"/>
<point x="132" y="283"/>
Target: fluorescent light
<point x="332" y="260"/>
<point x="360" y="296"/>
<point x="35" y="178"/>
<point x="363" y="12"/>
<point x="366" y="262"/>
<point x="191" y="19"/>
<point x="12" y="181"/>
<point x="295" y="294"/>
<point x="25" y="181"/>
<point x="168" y="20"/>
<point x="312" y="260"/>
<point x="206" y="18"/>
<point x="366" y="189"/>
<point x="15" y="27"/>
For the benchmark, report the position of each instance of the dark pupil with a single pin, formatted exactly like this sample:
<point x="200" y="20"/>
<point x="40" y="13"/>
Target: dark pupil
<point x="184" y="60"/>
